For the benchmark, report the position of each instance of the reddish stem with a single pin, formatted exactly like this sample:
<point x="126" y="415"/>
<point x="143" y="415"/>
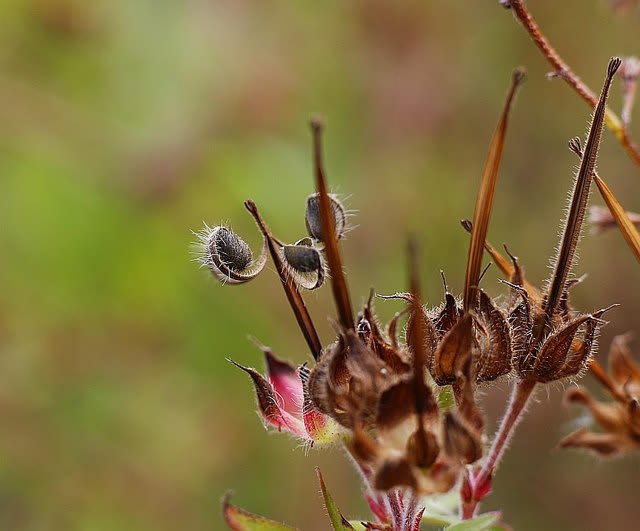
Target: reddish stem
<point x="480" y="486"/>
<point x="562" y="69"/>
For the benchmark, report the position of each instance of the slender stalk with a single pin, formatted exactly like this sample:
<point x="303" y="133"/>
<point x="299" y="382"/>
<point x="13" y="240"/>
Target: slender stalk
<point x="332" y="250"/>
<point x="513" y="415"/>
<point x="293" y="295"/>
<point x="562" y="69"/>
<point x="579" y="199"/>
<point x="601" y="375"/>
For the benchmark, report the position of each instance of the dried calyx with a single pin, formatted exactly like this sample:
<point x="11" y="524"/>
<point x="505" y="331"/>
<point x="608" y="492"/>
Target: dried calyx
<point x="619" y="420"/>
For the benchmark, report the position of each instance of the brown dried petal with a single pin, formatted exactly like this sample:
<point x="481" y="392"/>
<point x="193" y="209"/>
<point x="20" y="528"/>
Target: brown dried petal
<point x="428" y="332"/>
<point x="395" y="473"/>
<point x="552" y="356"/>
<point x="396" y="404"/>
<point x="564" y="309"/>
<point x="464" y="389"/>
<point x="610" y="416"/>
<point x="520" y="324"/>
<point x="603" y="444"/>
<point x="494" y="359"/>
<point x="363" y="447"/>
<point x="448" y="316"/>
<point x="579" y="356"/>
<point x="460" y="442"/>
<point x="390" y="353"/>
<point x="328" y="383"/>
<point x="453" y="352"/>
<point x="422" y="448"/>
<point x="622" y="367"/>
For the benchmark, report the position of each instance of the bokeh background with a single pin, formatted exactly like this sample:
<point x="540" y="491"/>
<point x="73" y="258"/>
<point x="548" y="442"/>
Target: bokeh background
<point x="126" y="124"/>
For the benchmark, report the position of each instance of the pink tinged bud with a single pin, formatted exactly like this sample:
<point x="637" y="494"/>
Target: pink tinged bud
<point x="269" y="408"/>
<point x="321" y="429"/>
<point x="286" y="383"/>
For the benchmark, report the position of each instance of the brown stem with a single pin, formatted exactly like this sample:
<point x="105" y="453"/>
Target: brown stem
<point x="293" y="295"/>
<point x="602" y="376"/>
<point x="327" y="221"/>
<point x="484" y="200"/>
<point x="562" y="69"/>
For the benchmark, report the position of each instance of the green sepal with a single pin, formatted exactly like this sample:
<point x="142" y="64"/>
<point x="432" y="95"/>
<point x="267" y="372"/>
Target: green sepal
<point x="240" y="520"/>
<point x="338" y="522"/>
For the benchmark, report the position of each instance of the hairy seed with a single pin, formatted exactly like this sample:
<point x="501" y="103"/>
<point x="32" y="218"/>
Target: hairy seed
<point x="232" y="250"/>
<point x="312" y="216"/>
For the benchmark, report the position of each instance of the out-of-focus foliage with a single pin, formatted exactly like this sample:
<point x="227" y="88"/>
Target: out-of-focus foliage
<point x="124" y="125"/>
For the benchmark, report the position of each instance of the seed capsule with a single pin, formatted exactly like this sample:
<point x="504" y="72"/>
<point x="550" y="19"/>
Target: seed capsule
<point x="312" y="216"/>
<point x="228" y="256"/>
<point x="305" y="264"/>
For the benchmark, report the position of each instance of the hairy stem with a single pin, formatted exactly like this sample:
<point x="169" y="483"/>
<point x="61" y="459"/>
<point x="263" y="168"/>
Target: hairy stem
<point x="513" y="415"/>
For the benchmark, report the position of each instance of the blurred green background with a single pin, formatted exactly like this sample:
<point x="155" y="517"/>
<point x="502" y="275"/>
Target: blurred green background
<point x="126" y="124"/>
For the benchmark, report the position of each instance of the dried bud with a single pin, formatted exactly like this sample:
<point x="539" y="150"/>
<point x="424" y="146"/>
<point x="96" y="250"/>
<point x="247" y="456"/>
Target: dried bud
<point x="619" y="420"/>
<point x="460" y="442"/>
<point x="422" y="448"/>
<point x="305" y="264"/>
<point x="312" y="216"/>
<point x="395" y="473"/>
<point x="453" y="352"/>
<point x="494" y="359"/>
<point x="564" y="353"/>
<point x="228" y="256"/>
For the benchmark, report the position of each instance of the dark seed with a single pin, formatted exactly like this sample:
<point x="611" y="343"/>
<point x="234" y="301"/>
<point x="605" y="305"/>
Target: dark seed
<point x="302" y="258"/>
<point x="232" y="250"/>
<point x="312" y="216"/>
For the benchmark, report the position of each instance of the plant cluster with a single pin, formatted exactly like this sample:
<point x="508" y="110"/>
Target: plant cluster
<point x="406" y="405"/>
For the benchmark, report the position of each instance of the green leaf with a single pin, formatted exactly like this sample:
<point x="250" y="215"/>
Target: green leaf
<point x="357" y="525"/>
<point x="240" y="520"/>
<point x="338" y="522"/>
<point x="484" y="522"/>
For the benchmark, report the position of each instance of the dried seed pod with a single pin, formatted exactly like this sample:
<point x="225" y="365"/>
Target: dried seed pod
<point x="450" y="313"/>
<point x="453" y="352"/>
<point x="395" y="473"/>
<point x="459" y="441"/>
<point x="494" y="359"/>
<point x="228" y="256"/>
<point x="422" y="448"/>
<point x="312" y="216"/>
<point x="563" y="354"/>
<point x="305" y="264"/>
